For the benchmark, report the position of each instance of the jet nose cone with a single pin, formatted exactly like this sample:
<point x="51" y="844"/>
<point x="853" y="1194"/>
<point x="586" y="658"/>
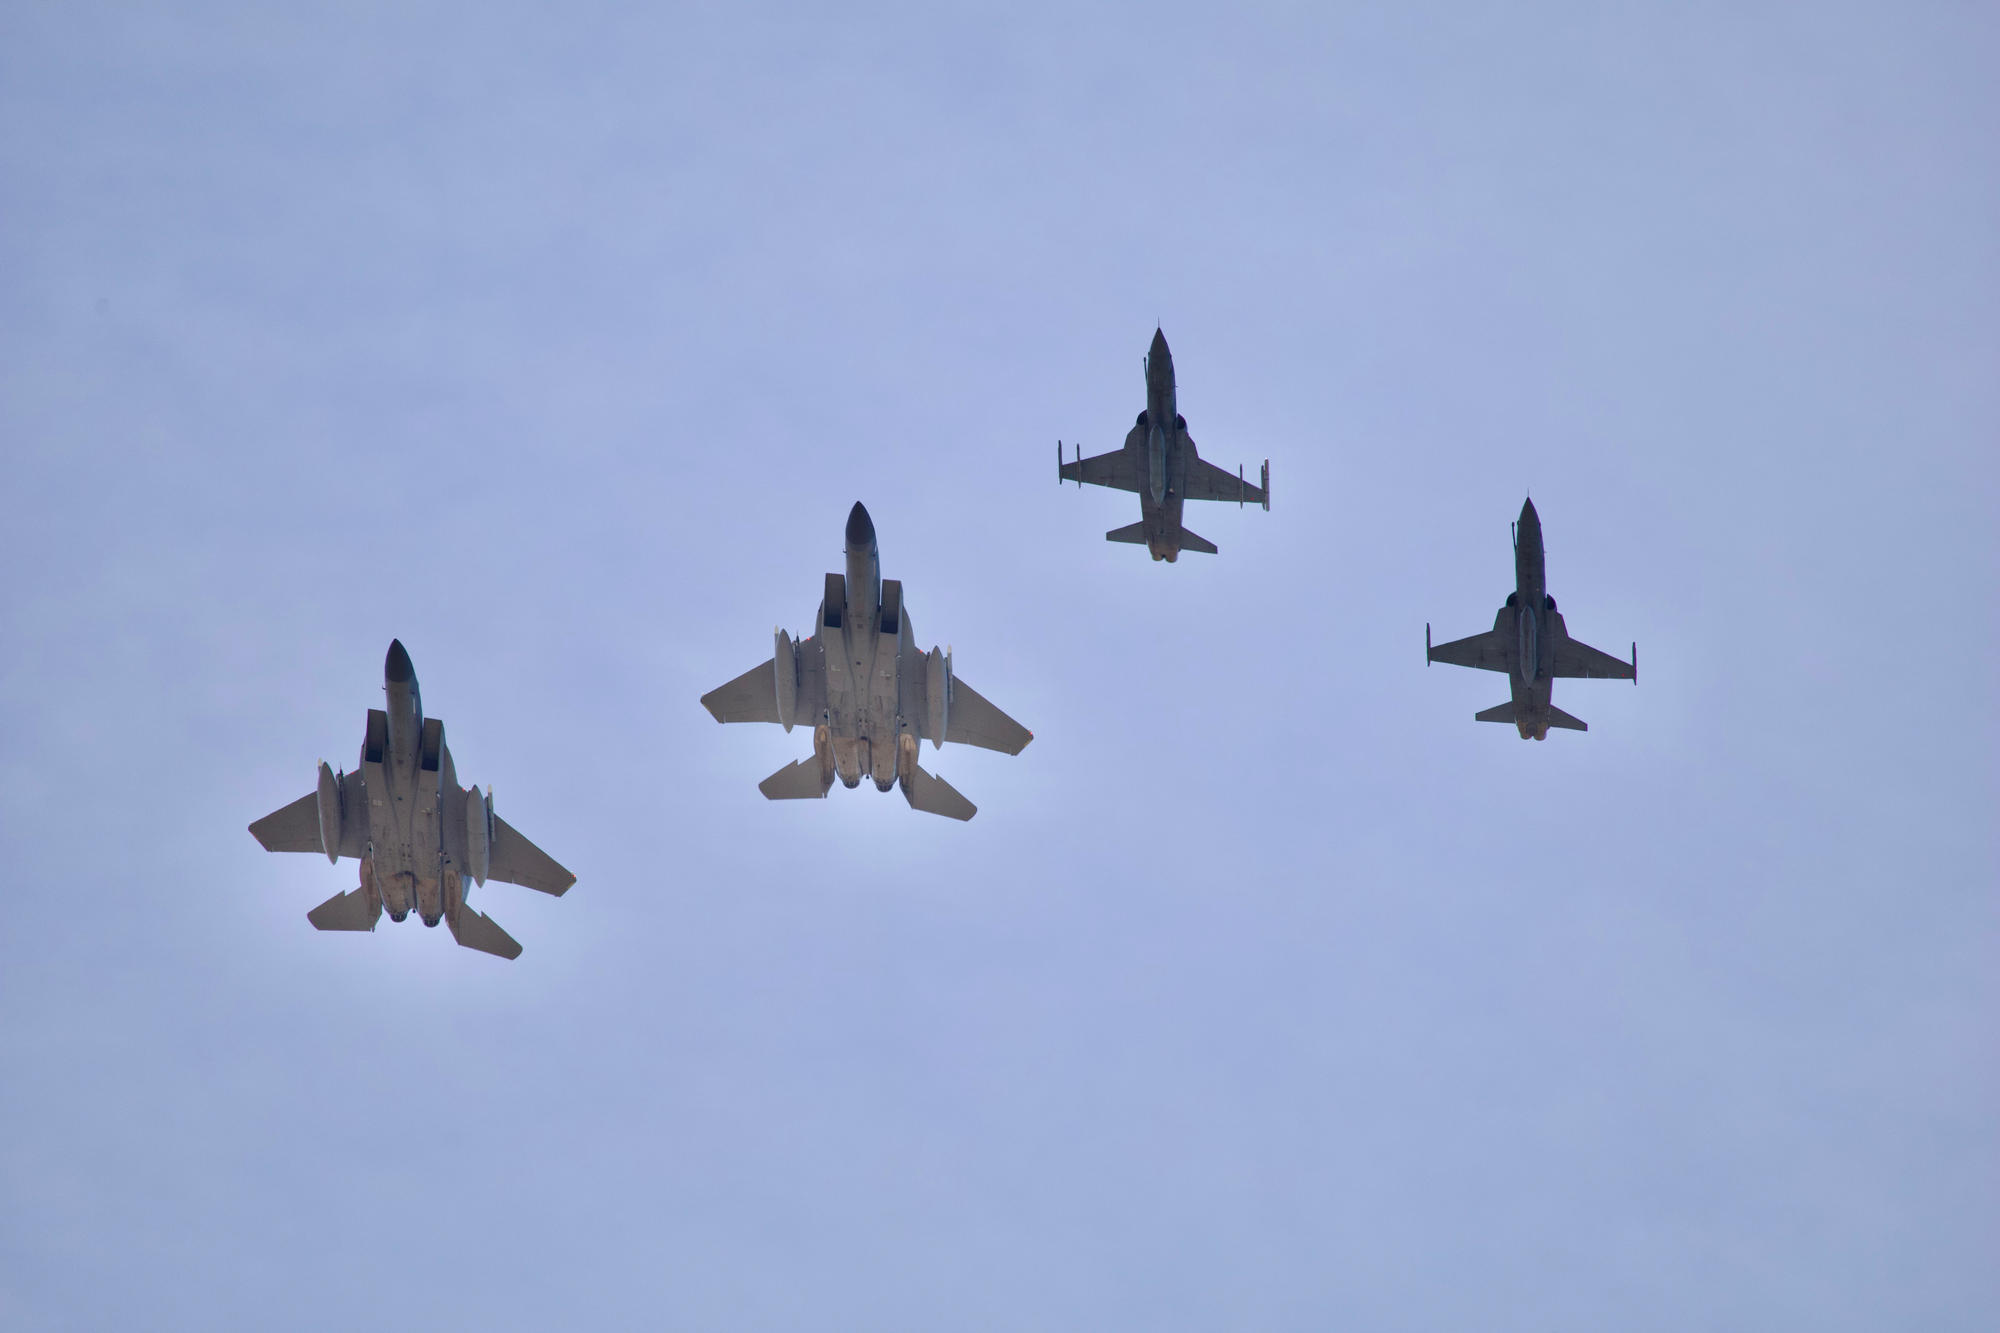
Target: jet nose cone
<point x="1159" y="342"/>
<point x="1528" y="514"/>
<point x="397" y="670"/>
<point x="860" y="528"/>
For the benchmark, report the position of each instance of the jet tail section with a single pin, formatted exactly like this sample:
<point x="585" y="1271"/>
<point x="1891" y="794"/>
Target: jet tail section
<point x="1136" y="534"/>
<point x="476" y="930"/>
<point x="1497" y="713"/>
<point x="353" y="910"/>
<point x="798" y="781"/>
<point x="933" y="795"/>
<point x="1558" y="718"/>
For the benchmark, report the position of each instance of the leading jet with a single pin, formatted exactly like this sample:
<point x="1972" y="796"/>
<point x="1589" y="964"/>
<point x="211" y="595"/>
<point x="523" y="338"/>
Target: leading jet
<point x="1531" y="644"/>
<point x="418" y="836"/>
<point x="870" y="696"/>
<point x="1160" y="463"/>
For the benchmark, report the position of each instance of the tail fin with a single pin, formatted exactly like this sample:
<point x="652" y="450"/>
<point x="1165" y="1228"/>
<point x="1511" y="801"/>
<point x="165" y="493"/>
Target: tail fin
<point x="1194" y="542"/>
<point x="933" y="795"/>
<point x="797" y="781"/>
<point x="353" y="910"/>
<point x="476" y="930"/>
<point x="1136" y="534"/>
<point x="1558" y="718"/>
<point x="1497" y="713"/>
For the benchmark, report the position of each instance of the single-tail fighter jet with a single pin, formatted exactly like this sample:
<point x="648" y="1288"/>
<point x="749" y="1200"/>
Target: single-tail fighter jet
<point x="1531" y="644"/>
<point x="860" y="682"/>
<point x="1160" y="463"/>
<point x="417" y="835"/>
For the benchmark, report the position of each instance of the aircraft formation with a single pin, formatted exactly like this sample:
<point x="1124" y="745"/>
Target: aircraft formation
<point x="860" y="681"/>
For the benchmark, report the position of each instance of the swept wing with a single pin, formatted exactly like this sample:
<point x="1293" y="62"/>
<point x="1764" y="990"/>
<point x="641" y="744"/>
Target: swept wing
<point x="1206" y="481"/>
<point x="1575" y="658"/>
<point x="974" y="721"/>
<point x="753" y="696"/>
<point x="295" y="828"/>
<point x="517" y="861"/>
<point x="1491" y="651"/>
<point x="1117" y="469"/>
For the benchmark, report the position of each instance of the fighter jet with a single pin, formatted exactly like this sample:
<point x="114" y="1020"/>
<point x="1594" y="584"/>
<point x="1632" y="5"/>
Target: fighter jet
<point x="867" y="692"/>
<point x="1160" y="463"/>
<point x="417" y="836"/>
<point x="1531" y="644"/>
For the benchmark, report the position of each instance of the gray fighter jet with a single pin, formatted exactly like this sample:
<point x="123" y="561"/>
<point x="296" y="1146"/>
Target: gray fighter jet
<point x="417" y="835"/>
<point x="1531" y="644"/>
<point x="860" y="682"/>
<point x="1160" y="463"/>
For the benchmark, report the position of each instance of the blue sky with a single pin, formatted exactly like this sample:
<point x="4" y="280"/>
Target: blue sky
<point x="1268" y="990"/>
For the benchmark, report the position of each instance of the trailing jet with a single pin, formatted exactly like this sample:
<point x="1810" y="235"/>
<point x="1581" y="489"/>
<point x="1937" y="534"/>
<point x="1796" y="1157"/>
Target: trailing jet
<point x="869" y="695"/>
<point x="1160" y="463"/>
<point x="1531" y="644"/>
<point x="418" y="837"/>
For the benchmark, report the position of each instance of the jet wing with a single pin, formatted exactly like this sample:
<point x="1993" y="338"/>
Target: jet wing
<point x="1206" y="481"/>
<point x="1115" y="469"/>
<point x="517" y="861"/>
<point x="292" y="829"/>
<point x="973" y="721"/>
<point x="1574" y="658"/>
<point x="296" y="827"/>
<point x="751" y="697"/>
<point x="1482" y="652"/>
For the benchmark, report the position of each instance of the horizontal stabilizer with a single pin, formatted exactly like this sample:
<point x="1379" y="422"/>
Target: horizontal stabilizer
<point x="1193" y="541"/>
<point x="1136" y="534"/>
<point x="1558" y="718"/>
<point x="1497" y="713"/>
<point x="514" y="860"/>
<point x="797" y="781"/>
<point x="292" y="829"/>
<point x="476" y="930"/>
<point x="346" y="911"/>
<point x="934" y="796"/>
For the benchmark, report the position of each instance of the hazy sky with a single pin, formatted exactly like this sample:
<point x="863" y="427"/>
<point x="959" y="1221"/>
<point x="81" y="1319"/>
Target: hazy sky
<point x="1268" y="989"/>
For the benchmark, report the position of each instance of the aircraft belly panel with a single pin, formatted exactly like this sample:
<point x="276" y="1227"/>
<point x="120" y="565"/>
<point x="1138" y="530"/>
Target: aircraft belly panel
<point x="843" y="702"/>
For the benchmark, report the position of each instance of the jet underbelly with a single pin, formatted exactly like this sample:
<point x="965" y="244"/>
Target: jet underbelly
<point x="1528" y="658"/>
<point x="1156" y="462"/>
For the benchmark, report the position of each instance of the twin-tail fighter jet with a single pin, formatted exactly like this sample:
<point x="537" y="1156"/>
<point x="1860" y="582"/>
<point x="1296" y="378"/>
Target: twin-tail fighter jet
<point x="867" y="692"/>
<point x="417" y="835"/>
<point x="1531" y="644"/>
<point x="1160" y="463"/>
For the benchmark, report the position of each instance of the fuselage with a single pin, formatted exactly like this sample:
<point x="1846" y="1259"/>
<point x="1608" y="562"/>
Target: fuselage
<point x="404" y="768"/>
<point x="864" y="731"/>
<point x="1160" y="441"/>
<point x="1535" y="628"/>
